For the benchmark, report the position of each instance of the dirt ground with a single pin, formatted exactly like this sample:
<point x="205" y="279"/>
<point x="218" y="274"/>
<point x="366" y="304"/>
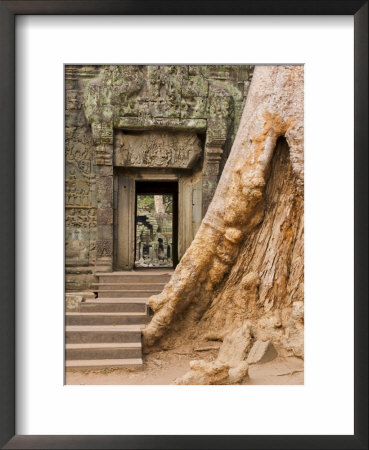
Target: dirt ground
<point x="165" y="366"/>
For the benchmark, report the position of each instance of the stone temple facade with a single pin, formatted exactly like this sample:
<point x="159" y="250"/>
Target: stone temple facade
<point x="167" y="129"/>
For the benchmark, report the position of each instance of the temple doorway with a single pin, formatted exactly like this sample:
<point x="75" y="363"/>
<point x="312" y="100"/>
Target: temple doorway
<point x="156" y="217"/>
<point x="156" y="224"/>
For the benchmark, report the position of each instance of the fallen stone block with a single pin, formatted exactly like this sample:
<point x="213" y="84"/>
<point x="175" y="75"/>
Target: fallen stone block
<point x="235" y="346"/>
<point x="262" y="352"/>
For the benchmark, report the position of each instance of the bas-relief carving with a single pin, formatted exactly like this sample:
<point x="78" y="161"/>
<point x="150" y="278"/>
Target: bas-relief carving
<point x="156" y="149"/>
<point x="77" y="246"/>
<point x="75" y="170"/>
<point x="77" y="193"/>
<point x="78" y="144"/>
<point x="194" y="98"/>
<point x="80" y="236"/>
<point x="76" y="151"/>
<point x="80" y="218"/>
<point x="166" y="91"/>
<point x="127" y="81"/>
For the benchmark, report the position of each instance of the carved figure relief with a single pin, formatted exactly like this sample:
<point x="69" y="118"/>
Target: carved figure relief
<point x="75" y="170"/>
<point x="78" y="143"/>
<point x="156" y="149"/>
<point x="80" y="218"/>
<point x="77" y="193"/>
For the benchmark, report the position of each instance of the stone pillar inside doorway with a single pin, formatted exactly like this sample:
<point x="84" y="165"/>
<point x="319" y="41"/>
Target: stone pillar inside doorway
<point x="103" y="140"/>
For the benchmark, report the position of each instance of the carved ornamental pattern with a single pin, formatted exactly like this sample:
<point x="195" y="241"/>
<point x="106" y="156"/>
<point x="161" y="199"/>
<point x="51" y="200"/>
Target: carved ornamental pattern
<point x="104" y="248"/>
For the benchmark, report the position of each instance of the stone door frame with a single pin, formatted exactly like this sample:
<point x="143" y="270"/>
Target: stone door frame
<point x="103" y="138"/>
<point x="125" y="212"/>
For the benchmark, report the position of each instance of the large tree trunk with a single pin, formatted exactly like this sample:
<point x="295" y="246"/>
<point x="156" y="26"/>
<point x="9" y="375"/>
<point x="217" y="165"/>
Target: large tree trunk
<point x="246" y="262"/>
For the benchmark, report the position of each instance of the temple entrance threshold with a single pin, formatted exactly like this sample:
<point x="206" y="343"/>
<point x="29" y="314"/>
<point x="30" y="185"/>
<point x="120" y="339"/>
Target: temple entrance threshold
<point x="156" y="224"/>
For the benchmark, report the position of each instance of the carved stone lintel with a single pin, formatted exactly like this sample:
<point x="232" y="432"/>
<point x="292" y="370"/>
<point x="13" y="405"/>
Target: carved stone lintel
<point x="160" y="149"/>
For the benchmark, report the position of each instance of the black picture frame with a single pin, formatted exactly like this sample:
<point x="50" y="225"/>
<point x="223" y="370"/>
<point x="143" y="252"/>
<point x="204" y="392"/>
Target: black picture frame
<point x="8" y="12"/>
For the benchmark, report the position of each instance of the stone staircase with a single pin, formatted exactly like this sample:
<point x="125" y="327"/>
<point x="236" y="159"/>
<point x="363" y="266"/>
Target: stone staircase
<point x="106" y="331"/>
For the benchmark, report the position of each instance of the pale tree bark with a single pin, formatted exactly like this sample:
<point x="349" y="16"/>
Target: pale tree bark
<point x="159" y="204"/>
<point x="246" y="263"/>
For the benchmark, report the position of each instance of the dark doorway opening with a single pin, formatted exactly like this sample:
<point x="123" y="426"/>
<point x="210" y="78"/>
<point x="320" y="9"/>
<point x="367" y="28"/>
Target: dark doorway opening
<point x="156" y="224"/>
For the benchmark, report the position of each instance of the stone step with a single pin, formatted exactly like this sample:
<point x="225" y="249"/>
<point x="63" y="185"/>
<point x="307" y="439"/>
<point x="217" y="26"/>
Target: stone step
<point x="102" y="304"/>
<point x="105" y="318"/>
<point x="135" y="277"/>
<point x="130" y="286"/>
<point x="135" y="363"/>
<point x="118" y="293"/>
<point x="83" y="334"/>
<point x="103" y="351"/>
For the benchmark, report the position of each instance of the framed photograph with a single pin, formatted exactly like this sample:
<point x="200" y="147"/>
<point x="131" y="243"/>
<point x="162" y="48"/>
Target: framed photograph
<point x="184" y="236"/>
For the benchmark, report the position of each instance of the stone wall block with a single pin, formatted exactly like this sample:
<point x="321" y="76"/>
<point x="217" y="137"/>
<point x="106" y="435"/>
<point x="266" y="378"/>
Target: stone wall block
<point x="104" y="192"/>
<point x="75" y="118"/>
<point x="104" y="232"/>
<point x="72" y="100"/>
<point x="104" y="171"/>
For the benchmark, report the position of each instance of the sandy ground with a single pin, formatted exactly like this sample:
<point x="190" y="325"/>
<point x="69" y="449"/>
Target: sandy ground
<point x="165" y="366"/>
